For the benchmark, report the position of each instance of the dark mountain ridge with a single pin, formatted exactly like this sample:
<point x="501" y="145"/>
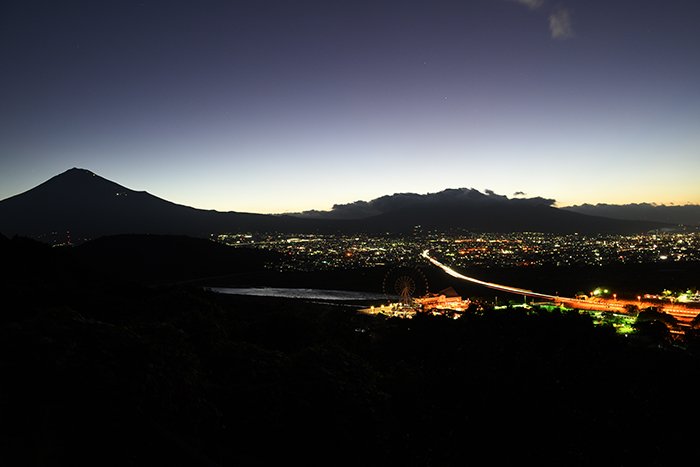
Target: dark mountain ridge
<point x="466" y="208"/>
<point x="452" y="196"/>
<point x="89" y="206"/>
<point x="496" y="214"/>
<point x="686" y="215"/>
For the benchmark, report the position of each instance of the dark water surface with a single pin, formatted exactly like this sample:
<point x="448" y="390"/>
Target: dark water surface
<point x="309" y="294"/>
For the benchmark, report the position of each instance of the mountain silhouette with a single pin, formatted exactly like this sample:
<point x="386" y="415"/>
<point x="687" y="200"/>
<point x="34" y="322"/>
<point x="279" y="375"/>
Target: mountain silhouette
<point x="686" y="215"/>
<point x="89" y="206"/>
<point x="470" y="209"/>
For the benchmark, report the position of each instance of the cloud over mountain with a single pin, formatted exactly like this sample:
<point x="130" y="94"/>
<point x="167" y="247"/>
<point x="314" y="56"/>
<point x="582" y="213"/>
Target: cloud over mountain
<point x="401" y="201"/>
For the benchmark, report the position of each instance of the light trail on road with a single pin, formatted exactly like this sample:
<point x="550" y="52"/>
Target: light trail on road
<point x="683" y="314"/>
<point x="492" y="285"/>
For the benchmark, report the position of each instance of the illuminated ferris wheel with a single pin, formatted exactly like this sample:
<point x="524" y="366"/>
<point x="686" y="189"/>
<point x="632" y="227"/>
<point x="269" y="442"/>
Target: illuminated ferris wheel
<point x="404" y="283"/>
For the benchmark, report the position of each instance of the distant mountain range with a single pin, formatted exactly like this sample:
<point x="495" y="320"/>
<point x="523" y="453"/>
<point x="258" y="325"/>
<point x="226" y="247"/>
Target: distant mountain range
<point x="89" y="206"/>
<point x="685" y="215"/>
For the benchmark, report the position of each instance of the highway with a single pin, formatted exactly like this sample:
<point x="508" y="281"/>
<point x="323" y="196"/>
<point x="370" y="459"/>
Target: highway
<point x="683" y="313"/>
<point x="492" y="285"/>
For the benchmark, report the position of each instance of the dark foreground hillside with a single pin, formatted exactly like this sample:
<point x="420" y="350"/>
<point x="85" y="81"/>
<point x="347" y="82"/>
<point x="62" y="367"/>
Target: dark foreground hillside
<point x="136" y="375"/>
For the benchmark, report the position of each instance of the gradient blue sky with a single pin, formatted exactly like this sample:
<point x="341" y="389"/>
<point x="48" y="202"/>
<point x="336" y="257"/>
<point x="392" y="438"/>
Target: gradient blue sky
<point x="278" y="106"/>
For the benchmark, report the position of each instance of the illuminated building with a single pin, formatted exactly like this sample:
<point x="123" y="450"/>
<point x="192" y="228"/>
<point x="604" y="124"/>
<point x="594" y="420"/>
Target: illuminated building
<point x="447" y="298"/>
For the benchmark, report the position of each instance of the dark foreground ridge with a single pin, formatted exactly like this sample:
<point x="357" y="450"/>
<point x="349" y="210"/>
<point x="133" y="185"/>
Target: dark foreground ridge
<point x="99" y="370"/>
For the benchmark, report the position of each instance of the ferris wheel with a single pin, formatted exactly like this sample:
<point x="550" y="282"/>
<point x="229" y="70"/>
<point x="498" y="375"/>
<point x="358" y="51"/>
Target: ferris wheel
<point x="404" y="283"/>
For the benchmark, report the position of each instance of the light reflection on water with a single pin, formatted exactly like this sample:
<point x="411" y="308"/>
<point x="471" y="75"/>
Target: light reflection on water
<point x="311" y="294"/>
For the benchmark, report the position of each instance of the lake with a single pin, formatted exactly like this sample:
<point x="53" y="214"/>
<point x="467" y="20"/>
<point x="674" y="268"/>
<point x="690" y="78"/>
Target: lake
<point x="309" y="294"/>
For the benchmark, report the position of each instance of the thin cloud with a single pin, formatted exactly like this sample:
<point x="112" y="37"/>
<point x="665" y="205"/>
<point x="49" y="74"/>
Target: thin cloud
<point x="531" y="4"/>
<point x="560" y="24"/>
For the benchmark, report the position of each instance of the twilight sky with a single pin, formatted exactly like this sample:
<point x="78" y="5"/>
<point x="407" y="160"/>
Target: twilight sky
<point x="280" y="105"/>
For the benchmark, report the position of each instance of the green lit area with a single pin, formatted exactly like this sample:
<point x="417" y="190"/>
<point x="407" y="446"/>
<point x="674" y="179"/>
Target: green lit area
<point x="623" y="324"/>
